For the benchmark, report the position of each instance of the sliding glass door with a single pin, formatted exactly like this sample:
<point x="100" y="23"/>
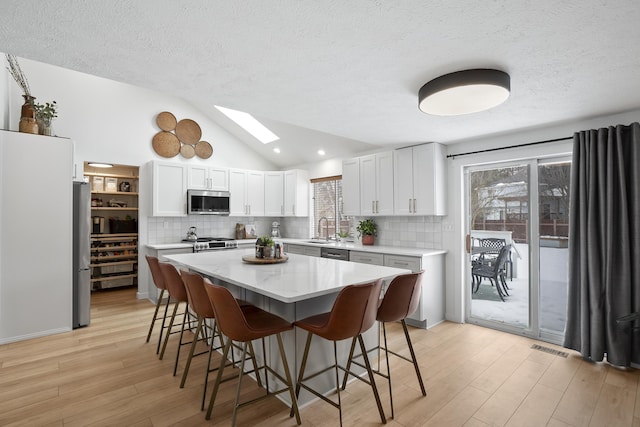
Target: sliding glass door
<point x="517" y="262"/>
<point x="553" y="247"/>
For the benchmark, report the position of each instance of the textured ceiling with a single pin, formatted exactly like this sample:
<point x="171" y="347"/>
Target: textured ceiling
<point x="347" y="70"/>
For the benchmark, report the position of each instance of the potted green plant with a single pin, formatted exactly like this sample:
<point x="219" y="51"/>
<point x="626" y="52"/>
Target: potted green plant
<point x="264" y="247"/>
<point x="44" y="115"/>
<point x="368" y="229"/>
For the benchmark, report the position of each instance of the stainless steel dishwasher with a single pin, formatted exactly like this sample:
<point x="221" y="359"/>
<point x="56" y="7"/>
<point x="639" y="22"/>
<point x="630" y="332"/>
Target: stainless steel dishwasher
<point x="333" y="253"/>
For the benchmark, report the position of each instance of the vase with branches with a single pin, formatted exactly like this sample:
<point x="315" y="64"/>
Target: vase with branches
<point x="28" y="122"/>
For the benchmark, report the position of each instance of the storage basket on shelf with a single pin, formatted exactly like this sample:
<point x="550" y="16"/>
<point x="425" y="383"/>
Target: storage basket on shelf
<point x="122" y="226"/>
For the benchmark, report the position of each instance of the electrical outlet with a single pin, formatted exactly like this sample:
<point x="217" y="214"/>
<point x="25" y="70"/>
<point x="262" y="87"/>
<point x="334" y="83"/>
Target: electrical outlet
<point x="447" y="227"/>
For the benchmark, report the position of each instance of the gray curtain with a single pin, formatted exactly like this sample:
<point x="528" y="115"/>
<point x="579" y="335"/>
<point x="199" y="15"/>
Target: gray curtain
<point x="604" y="244"/>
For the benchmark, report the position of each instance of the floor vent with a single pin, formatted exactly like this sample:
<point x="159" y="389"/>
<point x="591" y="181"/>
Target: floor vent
<point x="550" y="350"/>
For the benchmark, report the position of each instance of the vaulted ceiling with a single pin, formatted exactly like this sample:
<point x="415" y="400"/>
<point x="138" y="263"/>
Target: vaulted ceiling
<point x="345" y="74"/>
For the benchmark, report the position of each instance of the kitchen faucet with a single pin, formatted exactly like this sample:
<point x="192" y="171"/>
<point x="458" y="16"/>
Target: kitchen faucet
<point x="326" y="228"/>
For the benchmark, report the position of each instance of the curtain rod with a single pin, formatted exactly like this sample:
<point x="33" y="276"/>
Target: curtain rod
<point x="510" y="146"/>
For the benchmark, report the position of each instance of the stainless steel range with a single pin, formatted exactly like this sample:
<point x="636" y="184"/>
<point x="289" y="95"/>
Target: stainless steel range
<point x="212" y="243"/>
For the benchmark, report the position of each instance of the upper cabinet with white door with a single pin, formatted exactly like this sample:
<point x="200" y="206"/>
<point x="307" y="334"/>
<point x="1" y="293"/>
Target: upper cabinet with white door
<point x="376" y="184"/>
<point x="246" y="190"/>
<point x="296" y="193"/>
<point x="202" y="177"/>
<point x="169" y="195"/>
<point x="351" y="187"/>
<point x="274" y="193"/>
<point x="420" y="180"/>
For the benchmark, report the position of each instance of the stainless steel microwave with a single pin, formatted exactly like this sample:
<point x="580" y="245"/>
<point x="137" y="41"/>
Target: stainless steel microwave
<point x="203" y="202"/>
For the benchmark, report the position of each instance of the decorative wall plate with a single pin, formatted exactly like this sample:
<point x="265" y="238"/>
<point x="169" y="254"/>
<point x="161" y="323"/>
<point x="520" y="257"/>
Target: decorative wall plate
<point x="166" y="121"/>
<point x="187" y="151"/>
<point x="166" y="144"/>
<point x="204" y="150"/>
<point x="188" y="131"/>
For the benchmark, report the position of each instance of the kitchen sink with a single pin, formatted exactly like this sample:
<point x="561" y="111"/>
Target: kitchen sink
<point x="318" y="241"/>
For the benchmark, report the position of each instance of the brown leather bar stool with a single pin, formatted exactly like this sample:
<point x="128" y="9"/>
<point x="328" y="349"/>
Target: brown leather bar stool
<point x="353" y="313"/>
<point x="200" y="304"/>
<point x="178" y="294"/>
<point x="245" y="324"/>
<point x="400" y="300"/>
<point x="158" y="281"/>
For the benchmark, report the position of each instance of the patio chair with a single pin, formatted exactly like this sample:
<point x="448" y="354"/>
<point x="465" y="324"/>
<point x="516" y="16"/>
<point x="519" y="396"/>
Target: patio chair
<point x="494" y="272"/>
<point x="494" y="245"/>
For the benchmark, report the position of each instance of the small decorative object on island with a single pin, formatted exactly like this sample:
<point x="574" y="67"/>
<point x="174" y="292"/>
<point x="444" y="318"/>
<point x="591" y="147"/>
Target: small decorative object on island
<point x="264" y="247"/>
<point x="368" y="230"/>
<point x="28" y="122"/>
<point x="44" y="115"/>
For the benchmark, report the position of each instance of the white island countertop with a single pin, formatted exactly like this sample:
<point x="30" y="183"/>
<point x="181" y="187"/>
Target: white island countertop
<point x="300" y="278"/>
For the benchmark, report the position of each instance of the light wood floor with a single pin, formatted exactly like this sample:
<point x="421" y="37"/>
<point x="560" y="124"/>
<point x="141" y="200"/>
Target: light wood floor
<point x="105" y="374"/>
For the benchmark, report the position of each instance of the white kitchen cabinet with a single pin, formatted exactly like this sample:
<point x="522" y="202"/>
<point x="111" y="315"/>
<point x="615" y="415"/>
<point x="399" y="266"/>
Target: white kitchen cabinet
<point x="36" y="228"/>
<point x="419" y="180"/>
<point x="296" y="193"/>
<point x="302" y="250"/>
<point x="154" y="292"/>
<point x="351" y="187"/>
<point x="376" y="184"/>
<point x="366" y="258"/>
<point x="246" y="190"/>
<point x="430" y="311"/>
<point x="169" y="194"/>
<point x="201" y="177"/>
<point x="274" y="193"/>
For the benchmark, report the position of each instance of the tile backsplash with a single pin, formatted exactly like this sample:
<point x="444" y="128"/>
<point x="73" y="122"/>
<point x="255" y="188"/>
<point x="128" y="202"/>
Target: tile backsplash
<point x="408" y="231"/>
<point x="413" y="231"/>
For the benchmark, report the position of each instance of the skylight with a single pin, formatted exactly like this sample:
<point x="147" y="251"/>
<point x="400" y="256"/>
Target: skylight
<point x="249" y="123"/>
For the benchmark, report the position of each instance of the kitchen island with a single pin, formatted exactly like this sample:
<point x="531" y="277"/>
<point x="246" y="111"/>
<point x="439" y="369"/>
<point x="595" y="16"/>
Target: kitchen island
<point x="300" y="287"/>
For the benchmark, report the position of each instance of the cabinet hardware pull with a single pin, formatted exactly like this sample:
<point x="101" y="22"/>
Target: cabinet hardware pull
<point x="410" y="206"/>
<point x="414" y="206"/>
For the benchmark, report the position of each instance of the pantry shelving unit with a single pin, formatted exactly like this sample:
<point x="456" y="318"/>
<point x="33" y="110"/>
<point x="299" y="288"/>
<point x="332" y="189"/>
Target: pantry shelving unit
<point x="114" y="215"/>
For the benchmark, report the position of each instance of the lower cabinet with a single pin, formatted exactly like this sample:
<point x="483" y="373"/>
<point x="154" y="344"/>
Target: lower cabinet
<point x="430" y="312"/>
<point x="160" y="254"/>
<point x="366" y="258"/>
<point x="302" y="250"/>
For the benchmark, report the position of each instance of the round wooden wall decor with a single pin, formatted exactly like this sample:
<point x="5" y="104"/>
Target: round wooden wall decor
<point x="204" y="150"/>
<point x="166" y="121"/>
<point x="188" y="131"/>
<point x="179" y="137"/>
<point x="166" y="144"/>
<point x="187" y="151"/>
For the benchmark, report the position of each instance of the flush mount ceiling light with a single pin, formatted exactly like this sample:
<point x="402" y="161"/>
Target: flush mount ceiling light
<point x="464" y="92"/>
<point x="100" y="165"/>
<point x="249" y="123"/>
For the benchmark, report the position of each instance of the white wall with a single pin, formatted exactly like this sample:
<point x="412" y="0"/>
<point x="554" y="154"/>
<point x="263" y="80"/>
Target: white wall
<point x="454" y="224"/>
<point x="115" y="122"/>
